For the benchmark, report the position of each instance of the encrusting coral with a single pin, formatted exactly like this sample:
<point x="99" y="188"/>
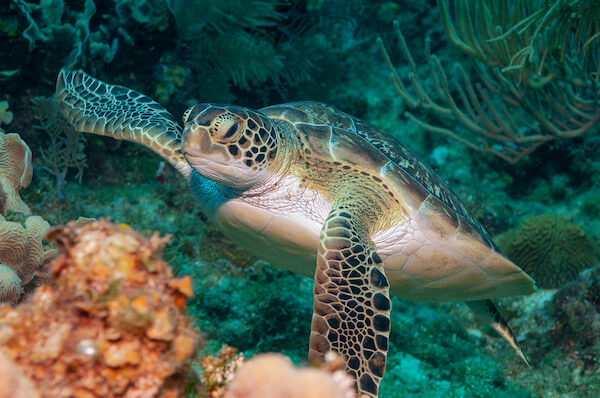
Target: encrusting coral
<point x="22" y="251"/>
<point x="110" y="325"/>
<point x="550" y="249"/>
<point x="15" y="173"/>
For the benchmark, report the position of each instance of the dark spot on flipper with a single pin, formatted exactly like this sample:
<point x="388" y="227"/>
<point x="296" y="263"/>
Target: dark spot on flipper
<point x="378" y="279"/>
<point x="368" y="343"/>
<point x="367" y="384"/>
<point x="376" y="258"/>
<point x="319" y="343"/>
<point x="381" y="323"/>
<point x="377" y="364"/>
<point x="381" y="302"/>
<point x="334" y="322"/>
<point x="320" y="325"/>
<point x="382" y="342"/>
<point x="353" y="363"/>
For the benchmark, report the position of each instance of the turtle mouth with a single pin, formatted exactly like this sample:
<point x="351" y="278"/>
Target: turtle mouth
<point x="227" y="174"/>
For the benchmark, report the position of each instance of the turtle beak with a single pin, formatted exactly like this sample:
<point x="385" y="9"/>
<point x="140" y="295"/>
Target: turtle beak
<point x="196" y="141"/>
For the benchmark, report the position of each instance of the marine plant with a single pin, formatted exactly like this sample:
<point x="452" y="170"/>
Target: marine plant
<point x="235" y="43"/>
<point x="537" y="74"/>
<point x="550" y="249"/>
<point x="65" y="148"/>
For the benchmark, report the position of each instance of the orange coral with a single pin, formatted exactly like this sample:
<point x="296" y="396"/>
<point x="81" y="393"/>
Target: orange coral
<point x="111" y="324"/>
<point x="15" y="173"/>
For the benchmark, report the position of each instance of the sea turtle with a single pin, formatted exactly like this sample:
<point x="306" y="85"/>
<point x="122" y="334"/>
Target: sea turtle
<point x="304" y="186"/>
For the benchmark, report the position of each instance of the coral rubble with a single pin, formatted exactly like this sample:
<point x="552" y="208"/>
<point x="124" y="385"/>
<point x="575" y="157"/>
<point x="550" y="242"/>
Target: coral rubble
<point x="111" y="324"/>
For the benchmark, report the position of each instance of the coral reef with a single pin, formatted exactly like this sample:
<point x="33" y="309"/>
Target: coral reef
<point x="550" y="249"/>
<point x="274" y="376"/>
<point x="22" y="250"/>
<point x="110" y="325"/>
<point x="15" y="173"/>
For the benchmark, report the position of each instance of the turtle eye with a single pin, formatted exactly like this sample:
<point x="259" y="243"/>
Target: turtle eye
<point x="229" y="130"/>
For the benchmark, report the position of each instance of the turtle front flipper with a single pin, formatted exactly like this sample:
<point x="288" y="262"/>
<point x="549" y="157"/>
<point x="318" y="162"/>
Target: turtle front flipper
<point x="93" y="106"/>
<point x="351" y="301"/>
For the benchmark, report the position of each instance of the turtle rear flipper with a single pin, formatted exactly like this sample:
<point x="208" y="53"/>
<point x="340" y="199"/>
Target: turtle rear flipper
<point x="487" y="310"/>
<point x="95" y="107"/>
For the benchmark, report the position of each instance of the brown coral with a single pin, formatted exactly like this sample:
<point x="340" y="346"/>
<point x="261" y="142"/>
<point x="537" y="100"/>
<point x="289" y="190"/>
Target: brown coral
<point x="15" y="173"/>
<point x="550" y="249"/>
<point x="110" y="325"/>
<point x="21" y="250"/>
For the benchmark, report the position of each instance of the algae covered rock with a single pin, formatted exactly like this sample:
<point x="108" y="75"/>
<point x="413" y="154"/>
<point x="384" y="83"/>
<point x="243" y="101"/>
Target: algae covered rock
<point x="112" y="322"/>
<point x="550" y="249"/>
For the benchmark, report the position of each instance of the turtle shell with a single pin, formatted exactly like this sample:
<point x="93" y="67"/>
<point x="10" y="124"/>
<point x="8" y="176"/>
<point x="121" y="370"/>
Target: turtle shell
<point x="480" y="271"/>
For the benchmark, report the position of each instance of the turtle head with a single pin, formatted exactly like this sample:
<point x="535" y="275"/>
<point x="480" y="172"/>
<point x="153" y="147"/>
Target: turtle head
<point x="231" y="145"/>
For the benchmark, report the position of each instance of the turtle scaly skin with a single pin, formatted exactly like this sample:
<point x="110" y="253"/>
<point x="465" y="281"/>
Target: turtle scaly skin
<point x="321" y="193"/>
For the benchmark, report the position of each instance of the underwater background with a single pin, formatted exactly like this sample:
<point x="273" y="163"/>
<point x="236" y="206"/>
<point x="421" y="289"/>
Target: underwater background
<point x="501" y="98"/>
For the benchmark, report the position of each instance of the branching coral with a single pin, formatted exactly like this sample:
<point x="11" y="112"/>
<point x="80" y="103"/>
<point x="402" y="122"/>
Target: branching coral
<point x="110" y="325"/>
<point x="15" y="173"/>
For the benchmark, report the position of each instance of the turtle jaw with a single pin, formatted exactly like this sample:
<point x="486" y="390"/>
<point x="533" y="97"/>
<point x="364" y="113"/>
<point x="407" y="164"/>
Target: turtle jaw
<point x="213" y="161"/>
<point x="229" y="175"/>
